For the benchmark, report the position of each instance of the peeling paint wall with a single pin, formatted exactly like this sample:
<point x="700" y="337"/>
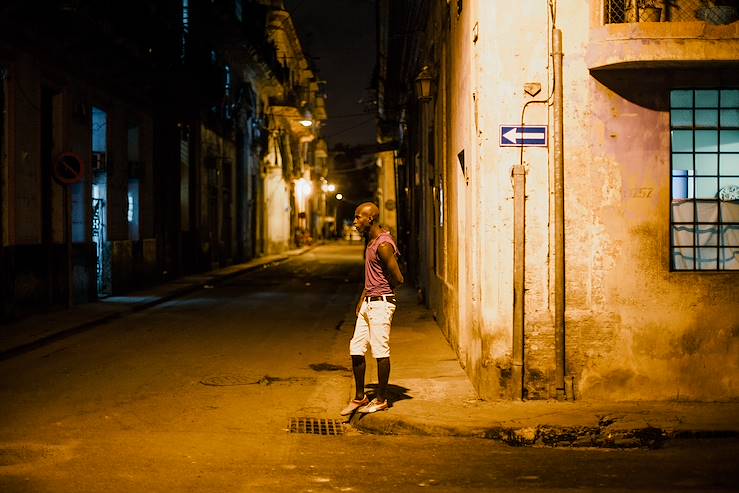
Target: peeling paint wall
<point x="386" y="191"/>
<point x="634" y="329"/>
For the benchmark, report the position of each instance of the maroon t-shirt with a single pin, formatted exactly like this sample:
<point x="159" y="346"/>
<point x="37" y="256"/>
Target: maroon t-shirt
<point x="376" y="281"/>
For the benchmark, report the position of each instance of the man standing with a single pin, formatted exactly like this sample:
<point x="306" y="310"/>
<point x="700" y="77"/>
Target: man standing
<point x="374" y="310"/>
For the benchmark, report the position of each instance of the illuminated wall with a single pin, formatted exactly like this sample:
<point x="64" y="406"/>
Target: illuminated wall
<point x="277" y="206"/>
<point x="636" y="328"/>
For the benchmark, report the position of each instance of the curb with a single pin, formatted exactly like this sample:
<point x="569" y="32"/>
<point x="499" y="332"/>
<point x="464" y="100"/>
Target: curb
<point x="603" y="436"/>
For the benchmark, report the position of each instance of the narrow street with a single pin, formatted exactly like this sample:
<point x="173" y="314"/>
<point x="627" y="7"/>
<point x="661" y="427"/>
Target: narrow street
<point x="197" y="394"/>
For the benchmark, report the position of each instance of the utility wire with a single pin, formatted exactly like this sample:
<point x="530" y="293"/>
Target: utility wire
<point x="365" y="122"/>
<point x="348" y="115"/>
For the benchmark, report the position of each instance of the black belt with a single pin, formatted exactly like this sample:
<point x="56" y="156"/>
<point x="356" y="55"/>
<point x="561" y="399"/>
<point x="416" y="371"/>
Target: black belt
<point x="390" y="298"/>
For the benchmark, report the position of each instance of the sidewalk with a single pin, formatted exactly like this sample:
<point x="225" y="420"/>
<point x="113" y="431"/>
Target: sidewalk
<point x="41" y="329"/>
<point x="432" y="396"/>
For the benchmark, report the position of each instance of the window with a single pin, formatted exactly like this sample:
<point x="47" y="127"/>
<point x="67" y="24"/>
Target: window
<point x="227" y="88"/>
<point x="135" y="172"/>
<point x="133" y="210"/>
<point x="99" y="130"/>
<point x="184" y="178"/>
<point x="185" y="28"/>
<point x="704" y="217"/>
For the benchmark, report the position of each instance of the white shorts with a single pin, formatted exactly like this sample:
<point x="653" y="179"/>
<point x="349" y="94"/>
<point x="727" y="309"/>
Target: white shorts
<point x="373" y="329"/>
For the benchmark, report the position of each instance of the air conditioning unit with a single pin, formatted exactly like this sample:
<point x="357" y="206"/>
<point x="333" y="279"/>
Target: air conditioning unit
<point x="98" y="161"/>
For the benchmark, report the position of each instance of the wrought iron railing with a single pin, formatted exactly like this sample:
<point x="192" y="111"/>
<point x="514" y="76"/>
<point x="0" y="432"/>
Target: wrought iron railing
<point x="709" y="11"/>
<point x="97" y="237"/>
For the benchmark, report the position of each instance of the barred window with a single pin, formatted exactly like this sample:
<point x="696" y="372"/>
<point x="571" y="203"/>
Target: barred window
<point x="704" y="126"/>
<point x="712" y="12"/>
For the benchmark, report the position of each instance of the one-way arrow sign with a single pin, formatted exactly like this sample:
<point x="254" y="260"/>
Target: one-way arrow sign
<point x="526" y="135"/>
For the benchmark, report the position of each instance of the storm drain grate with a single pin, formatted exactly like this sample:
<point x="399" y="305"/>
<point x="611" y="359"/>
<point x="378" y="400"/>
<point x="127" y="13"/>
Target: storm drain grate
<point x="316" y="426"/>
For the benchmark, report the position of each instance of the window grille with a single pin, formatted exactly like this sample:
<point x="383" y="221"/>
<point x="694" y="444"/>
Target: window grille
<point x="710" y="11"/>
<point x="704" y="216"/>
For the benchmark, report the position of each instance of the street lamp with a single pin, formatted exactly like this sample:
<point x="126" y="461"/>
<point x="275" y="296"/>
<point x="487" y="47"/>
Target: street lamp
<point x="339" y="196"/>
<point x="424" y="81"/>
<point x="307" y="120"/>
<point x="303" y="188"/>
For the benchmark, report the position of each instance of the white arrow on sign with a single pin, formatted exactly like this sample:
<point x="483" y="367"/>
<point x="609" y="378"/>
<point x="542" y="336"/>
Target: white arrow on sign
<point x="515" y="135"/>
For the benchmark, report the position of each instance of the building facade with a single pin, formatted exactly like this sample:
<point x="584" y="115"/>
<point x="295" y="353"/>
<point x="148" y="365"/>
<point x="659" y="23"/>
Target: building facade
<point x="130" y="156"/>
<point x="569" y="182"/>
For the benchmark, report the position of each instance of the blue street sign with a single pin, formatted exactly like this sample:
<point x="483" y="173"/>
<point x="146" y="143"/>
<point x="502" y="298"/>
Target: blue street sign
<point x="526" y="135"/>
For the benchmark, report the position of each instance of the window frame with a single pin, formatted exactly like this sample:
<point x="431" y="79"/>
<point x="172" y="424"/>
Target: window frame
<point x="694" y="225"/>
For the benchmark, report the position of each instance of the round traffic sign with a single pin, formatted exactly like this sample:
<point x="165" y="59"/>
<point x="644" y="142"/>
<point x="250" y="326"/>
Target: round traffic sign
<point x="68" y="168"/>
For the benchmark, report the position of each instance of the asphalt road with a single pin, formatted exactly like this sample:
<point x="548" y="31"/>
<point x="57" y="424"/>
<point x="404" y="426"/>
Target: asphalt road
<point x="196" y="395"/>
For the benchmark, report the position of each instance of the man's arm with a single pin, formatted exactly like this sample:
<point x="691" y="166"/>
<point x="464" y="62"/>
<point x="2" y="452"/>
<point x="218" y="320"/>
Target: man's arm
<point x="387" y="254"/>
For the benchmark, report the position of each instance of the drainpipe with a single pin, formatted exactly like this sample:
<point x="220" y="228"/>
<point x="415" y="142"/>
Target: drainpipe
<point x="519" y="264"/>
<point x="559" y="226"/>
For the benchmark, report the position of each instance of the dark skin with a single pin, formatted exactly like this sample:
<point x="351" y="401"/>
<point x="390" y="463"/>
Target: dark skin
<point x="366" y="221"/>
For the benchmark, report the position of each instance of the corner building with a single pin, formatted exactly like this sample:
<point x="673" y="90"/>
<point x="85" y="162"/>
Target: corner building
<point x="599" y="260"/>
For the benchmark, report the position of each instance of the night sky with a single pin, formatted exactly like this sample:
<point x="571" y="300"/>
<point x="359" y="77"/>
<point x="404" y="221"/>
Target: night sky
<point x="340" y="36"/>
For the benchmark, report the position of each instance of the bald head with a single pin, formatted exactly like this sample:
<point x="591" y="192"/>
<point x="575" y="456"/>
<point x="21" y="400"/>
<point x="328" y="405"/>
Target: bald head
<point x="365" y="216"/>
<point x="370" y="210"/>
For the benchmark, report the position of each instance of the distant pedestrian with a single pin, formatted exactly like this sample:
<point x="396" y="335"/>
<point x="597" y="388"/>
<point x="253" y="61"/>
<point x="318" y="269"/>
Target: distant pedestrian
<point x="375" y="309"/>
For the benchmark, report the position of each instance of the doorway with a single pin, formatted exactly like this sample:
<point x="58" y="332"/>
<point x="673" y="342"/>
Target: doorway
<point x="99" y="200"/>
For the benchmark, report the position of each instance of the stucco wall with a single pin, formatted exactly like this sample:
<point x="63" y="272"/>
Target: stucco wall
<point x="26" y="166"/>
<point x="634" y="329"/>
<point x="386" y="192"/>
<point x="277" y="207"/>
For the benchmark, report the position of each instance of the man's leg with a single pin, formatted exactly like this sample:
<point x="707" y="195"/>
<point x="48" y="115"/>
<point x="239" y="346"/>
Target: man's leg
<point x="357" y="348"/>
<point x="383" y="376"/>
<point x="359" y="365"/>
<point x="380" y="324"/>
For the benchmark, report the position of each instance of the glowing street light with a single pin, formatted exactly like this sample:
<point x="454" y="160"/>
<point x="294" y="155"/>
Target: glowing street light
<point x="339" y="196"/>
<point x="331" y="187"/>
<point x="303" y="188"/>
<point x="307" y="120"/>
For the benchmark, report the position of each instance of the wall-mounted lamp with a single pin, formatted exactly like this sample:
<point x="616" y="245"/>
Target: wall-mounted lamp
<point x="424" y="80"/>
<point x="303" y="188"/>
<point x="307" y="120"/>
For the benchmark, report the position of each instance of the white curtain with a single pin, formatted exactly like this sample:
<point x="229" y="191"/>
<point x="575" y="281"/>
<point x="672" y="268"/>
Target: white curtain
<point x="705" y="243"/>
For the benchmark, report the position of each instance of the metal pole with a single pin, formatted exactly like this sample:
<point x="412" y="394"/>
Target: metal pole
<point x="68" y="241"/>
<point x="519" y="265"/>
<point x="559" y="226"/>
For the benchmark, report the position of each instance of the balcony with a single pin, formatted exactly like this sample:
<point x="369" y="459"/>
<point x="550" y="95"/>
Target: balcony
<point x="665" y="34"/>
<point x="717" y="12"/>
<point x="288" y="97"/>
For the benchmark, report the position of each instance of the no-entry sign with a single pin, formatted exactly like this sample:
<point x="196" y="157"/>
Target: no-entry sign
<point x="68" y="168"/>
